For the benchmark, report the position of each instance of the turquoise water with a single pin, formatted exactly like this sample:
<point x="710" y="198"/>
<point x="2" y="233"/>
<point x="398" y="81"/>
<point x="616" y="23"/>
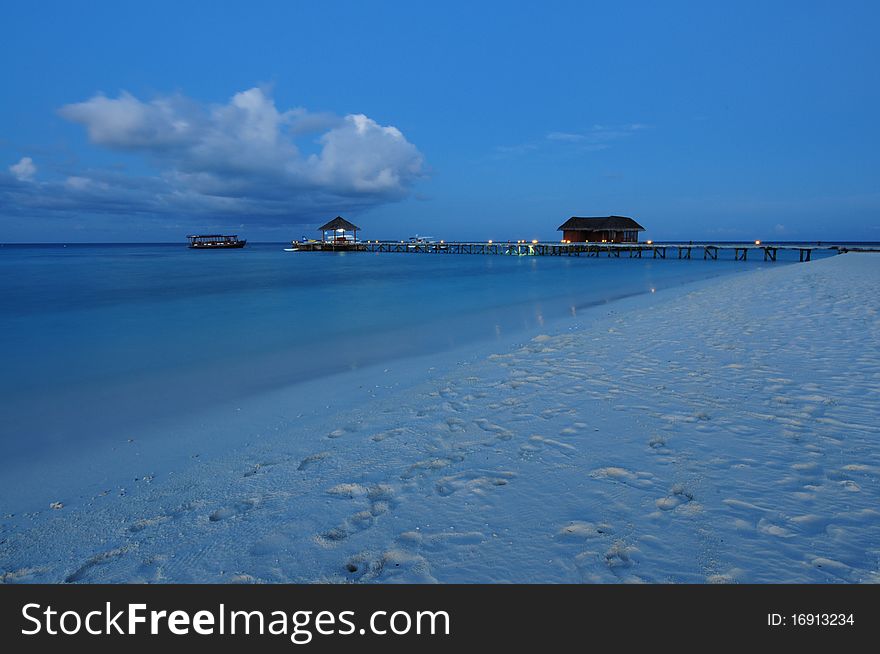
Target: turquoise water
<point x="99" y="339"/>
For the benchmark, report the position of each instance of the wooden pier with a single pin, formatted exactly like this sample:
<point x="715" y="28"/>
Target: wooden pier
<point x="708" y="251"/>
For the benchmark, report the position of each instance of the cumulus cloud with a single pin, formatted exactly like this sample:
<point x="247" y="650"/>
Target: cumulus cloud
<point x="365" y="157"/>
<point x="24" y="170"/>
<point x="245" y="159"/>
<point x="127" y="123"/>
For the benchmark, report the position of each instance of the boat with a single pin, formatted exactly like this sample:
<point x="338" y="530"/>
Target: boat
<point x="215" y="241"/>
<point x="305" y="245"/>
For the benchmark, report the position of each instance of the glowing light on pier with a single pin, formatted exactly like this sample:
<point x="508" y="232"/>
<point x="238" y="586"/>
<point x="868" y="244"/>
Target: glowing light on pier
<point x="757" y="242"/>
<point x="650" y="242"/>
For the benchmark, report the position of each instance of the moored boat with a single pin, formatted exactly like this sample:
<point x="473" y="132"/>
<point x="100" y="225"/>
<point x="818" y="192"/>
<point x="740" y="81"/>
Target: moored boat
<point x="215" y="241"/>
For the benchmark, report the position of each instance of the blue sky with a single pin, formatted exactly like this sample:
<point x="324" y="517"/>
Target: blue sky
<point x="130" y="121"/>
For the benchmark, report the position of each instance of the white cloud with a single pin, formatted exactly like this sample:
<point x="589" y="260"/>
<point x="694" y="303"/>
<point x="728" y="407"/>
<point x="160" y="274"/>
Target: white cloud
<point x="244" y="159"/>
<point x="362" y="156"/>
<point x="126" y="122"/>
<point x="24" y="170"/>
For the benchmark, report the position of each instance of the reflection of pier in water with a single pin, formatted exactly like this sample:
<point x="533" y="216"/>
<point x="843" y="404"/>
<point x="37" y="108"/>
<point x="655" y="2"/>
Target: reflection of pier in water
<point x="709" y="251"/>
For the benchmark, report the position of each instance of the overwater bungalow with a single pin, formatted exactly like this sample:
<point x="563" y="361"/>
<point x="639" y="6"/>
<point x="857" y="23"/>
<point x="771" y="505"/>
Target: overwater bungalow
<point x="339" y="230"/>
<point x="338" y="235"/>
<point x="607" y="229"/>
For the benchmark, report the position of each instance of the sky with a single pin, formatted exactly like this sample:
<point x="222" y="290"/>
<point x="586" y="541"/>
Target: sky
<point x="134" y="121"/>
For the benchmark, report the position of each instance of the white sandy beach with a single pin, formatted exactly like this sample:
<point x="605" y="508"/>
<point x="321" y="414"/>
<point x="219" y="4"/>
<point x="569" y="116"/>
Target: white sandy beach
<point x="728" y="431"/>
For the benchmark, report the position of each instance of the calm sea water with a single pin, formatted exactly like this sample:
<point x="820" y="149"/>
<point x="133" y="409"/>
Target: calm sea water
<point x="96" y="339"/>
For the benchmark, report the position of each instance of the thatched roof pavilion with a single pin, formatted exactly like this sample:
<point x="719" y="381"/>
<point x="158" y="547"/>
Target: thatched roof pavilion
<point x="605" y="229"/>
<point x="338" y="228"/>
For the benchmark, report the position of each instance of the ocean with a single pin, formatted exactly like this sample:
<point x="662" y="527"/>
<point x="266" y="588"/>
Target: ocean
<point x="100" y="341"/>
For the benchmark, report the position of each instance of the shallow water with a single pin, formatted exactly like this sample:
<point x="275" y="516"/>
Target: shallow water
<point x="96" y="339"/>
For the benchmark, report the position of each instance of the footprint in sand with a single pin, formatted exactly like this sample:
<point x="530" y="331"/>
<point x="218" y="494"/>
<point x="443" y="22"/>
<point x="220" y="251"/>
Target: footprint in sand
<point x="401" y="566"/>
<point x="501" y="433"/>
<point x="381" y="499"/>
<point x="537" y="443"/>
<point x="769" y="528"/>
<point x="151" y="569"/>
<point x="677" y="497"/>
<point x="333" y="535"/>
<point x="348" y="491"/>
<point x="456" y="424"/>
<point x="657" y="443"/>
<point x="389" y="433"/>
<point x="811" y="524"/>
<point x="85" y="570"/>
<point x="162" y="518"/>
<point x="474" y="481"/>
<point x="140" y="525"/>
<point x="578" y="531"/>
<point x="549" y="414"/>
<point x="238" y="508"/>
<point x="21" y="575"/>
<point x="342" y="431"/>
<point x="640" y="480"/>
<point x="362" y="566"/>
<point x="351" y="525"/>
<point x="621" y="556"/>
<point x="430" y="465"/>
<point x="312" y="459"/>
<point x="394" y="565"/>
